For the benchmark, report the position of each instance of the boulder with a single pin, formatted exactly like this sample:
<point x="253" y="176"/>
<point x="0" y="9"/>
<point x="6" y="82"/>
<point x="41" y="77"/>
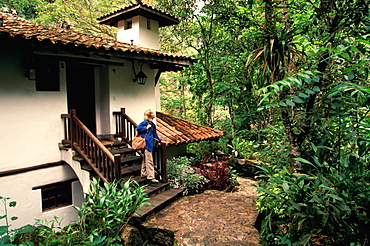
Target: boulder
<point x="138" y="235"/>
<point x="131" y="236"/>
<point x="245" y="168"/>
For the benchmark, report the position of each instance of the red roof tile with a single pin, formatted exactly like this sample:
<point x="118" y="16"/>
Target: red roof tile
<point x="175" y="130"/>
<point x="14" y="26"/>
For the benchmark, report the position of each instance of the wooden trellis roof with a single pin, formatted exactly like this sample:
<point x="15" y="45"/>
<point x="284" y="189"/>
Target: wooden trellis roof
<point x="175" y="130"/>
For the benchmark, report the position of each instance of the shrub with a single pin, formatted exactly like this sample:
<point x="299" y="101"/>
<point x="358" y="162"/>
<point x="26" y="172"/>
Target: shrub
<point x="330" y="203"/>
<point x="180" y="174"/>
<point x="217" y="172"/>
<point x="245" y="149"/>
<point x="108" y="209"/>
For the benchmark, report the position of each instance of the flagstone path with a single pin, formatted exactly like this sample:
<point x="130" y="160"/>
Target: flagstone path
<point x="212" y="218"/>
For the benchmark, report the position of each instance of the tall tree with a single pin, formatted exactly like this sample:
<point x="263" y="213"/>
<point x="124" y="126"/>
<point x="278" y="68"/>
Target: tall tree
<point x="23" y="8"/>
<point x="316" y="26"/>
<point x="212" y="32"/>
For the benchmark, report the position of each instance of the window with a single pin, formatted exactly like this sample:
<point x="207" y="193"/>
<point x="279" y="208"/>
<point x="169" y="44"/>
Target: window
<point x="47" y="75"/>
<point x="56" y="195"/>
<point x="148" y="24"/>
<point x="128" y="24"/>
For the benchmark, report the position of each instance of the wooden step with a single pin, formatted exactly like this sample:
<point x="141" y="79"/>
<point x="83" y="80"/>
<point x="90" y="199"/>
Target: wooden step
<point x="131" y="170"/>
<point x="156" y="188"/>
<point x="113" y="143"/>
<point x="130" y="160"/>
<point x="160" y="201"/>
<point x="123" y="151"/>
<point x="151" y="187"/>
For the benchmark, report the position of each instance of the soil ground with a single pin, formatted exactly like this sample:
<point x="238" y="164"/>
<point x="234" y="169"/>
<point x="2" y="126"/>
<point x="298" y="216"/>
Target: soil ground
<point x="212" y="218"/>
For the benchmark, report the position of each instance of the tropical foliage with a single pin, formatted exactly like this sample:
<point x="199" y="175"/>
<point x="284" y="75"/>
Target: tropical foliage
<point x="288" y="83"/>
<point x="107" y="209"/>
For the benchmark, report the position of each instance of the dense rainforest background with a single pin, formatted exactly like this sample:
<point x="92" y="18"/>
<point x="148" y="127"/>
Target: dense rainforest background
<point x="288" y="83"/>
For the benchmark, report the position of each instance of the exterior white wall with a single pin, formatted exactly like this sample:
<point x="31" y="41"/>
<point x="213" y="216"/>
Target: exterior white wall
<point x="31" y="126"/>
<point x="124" y="93"/>
<point x="31" y="129"/>
<point x="148" y="38"/>
<point x="82" y="175"/>
<point x="29" y="204"/>
<point x="139" y="33"/>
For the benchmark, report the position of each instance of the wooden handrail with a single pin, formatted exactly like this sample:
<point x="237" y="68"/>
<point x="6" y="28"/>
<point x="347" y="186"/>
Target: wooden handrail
<point x="93" y="138"/>
<point x="106" y="166"/>
<point x="125" y="126"/>
<point x="99" y="158"/>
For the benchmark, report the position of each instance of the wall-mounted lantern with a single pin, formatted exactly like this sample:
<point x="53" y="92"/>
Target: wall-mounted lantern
<point x="31" y="73"/>
<point x="140" y="77"/>
<point x="30" y="66"/>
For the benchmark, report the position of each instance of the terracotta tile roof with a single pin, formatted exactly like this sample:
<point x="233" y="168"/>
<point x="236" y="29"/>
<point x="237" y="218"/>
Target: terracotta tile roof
<point x="17" y="27"/>
<point x="149" y="12"/>
<point x="175" y="130"/>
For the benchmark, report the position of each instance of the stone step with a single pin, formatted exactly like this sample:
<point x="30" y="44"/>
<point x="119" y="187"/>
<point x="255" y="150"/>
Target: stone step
<point x="159" y="202"/>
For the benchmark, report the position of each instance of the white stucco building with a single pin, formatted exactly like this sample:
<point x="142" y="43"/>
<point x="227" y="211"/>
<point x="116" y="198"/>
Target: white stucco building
<point x="47" y="71"/>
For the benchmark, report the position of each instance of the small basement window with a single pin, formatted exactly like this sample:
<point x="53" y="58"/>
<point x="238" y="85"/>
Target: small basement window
<point x="56" y="195"/>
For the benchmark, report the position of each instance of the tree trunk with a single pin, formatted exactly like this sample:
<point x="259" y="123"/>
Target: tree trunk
<point x="232" y="116"/>
<point x="183" y="100"/>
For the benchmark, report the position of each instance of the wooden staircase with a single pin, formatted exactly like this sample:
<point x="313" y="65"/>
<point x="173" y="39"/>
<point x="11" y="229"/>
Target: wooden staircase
<point x="111" y="160"/>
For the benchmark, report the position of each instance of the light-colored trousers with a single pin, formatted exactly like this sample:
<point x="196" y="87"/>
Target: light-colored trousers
<point x="147" y="166"/>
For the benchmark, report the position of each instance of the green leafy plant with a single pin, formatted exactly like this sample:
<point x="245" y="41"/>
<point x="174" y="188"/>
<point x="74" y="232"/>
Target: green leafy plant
<point x="7" y="234"/>
<point x="107" y="209"/>
<point x="328" y="203"/>
<point x="181" y="175"/>
<point x="243" y="148"/>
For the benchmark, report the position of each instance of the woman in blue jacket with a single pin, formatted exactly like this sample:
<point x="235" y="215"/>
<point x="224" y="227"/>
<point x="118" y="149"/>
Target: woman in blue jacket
<point x="148" y="130"/>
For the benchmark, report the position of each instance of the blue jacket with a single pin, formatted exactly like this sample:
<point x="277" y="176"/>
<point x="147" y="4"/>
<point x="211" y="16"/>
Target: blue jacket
<point x="152" y="133"/>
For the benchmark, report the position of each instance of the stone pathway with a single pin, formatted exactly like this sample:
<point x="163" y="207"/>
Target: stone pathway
<point x="212" y="218"/>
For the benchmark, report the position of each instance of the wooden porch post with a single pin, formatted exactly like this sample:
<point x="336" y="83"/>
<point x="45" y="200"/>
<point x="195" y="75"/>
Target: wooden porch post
<point x="164" y="162"/>
<point x="73" y="132"/>
<point x="117" y="166"/>
<point x="123" y="121"/>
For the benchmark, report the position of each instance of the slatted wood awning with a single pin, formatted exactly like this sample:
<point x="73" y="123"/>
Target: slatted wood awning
<point x="175" y="130"/>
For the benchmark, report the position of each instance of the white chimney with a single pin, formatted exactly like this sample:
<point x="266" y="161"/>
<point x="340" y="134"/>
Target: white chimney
<point x="139" y="31"/>
<point x="139" y="24"/>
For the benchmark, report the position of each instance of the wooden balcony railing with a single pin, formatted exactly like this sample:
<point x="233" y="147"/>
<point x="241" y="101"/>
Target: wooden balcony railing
<point x="125" y="126"/>
<point x="106" y="166"/>
<point x="126" y="129"/>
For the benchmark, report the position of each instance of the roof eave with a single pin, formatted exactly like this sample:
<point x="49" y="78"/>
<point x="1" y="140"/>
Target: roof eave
<point x="139" y="9"/>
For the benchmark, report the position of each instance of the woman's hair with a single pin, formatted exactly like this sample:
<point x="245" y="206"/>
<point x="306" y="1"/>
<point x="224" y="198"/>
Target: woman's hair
<point x="148" y="115"/>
